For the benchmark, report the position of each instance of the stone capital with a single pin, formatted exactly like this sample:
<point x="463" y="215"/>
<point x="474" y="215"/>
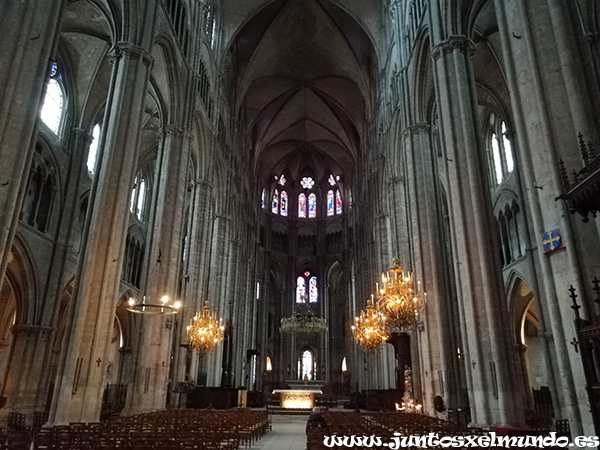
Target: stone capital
<point x="221" y="216"/>
<point x="520" y="348"/>
<point x="418" y="128"/>
<point x="82" y="134"/>
<point x="25" y="330"/>
<point x="133" y="50"/>
<point x="454" y="43"/>
<point x="202" y="183"/>
<point x="171" y="130"/>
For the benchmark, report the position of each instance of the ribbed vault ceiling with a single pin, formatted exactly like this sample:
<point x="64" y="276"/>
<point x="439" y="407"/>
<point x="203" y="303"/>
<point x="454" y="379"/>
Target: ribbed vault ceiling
<point x="302" y="72"/>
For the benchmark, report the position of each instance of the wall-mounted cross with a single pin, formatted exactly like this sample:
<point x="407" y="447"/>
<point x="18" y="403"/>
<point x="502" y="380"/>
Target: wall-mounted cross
<point x="575" y="306"/>
<point x="575" y="343"/>
<point x="98" y="361"/>
<point x="473" y="363"/>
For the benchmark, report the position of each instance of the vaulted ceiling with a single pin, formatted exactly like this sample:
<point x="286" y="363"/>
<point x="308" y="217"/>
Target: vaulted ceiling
<point x="303" y="85"/>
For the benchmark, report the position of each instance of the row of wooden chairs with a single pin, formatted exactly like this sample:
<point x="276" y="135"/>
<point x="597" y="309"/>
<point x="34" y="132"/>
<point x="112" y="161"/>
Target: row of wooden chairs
<point x="385" y="426"/>
<point x="167" y="430"/>
<point x="380" y="425"/>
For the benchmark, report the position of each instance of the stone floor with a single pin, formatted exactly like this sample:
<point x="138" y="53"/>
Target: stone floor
<point x="288" y="433"/>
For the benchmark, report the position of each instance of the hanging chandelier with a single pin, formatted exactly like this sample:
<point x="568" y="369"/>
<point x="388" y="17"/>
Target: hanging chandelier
<point x="148" y="307"/>
<point x="369" y="329"/>
<point x="205" y="331"/>
<point x="397" y="299"/>
<point x="303" y="321"/>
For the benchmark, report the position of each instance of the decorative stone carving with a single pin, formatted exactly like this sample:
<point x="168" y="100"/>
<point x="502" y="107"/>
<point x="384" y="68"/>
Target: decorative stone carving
<point x="460" y="43"/>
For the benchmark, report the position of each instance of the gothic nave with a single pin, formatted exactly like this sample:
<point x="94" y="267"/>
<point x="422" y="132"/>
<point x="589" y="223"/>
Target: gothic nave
<point x="273" y="158"/>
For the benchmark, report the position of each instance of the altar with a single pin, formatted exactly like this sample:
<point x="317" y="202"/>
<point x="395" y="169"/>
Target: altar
<point x="302" y="398"/>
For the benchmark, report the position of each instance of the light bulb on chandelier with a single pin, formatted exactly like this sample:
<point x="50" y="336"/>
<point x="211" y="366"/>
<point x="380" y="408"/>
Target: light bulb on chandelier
<point x="146" y="306"/>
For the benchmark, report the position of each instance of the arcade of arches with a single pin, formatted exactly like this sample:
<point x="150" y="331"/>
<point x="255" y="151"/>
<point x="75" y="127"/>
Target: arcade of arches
<point x="267" y="155"/>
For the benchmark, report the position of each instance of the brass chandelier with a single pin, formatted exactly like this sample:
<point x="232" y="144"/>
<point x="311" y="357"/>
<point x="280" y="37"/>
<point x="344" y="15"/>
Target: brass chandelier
<point x="369" y="329"/>
<point x="303" y="321"/>
<point x="397" y="299"/>
<point x="395" y="305"/>
<point x="205" y="331"/>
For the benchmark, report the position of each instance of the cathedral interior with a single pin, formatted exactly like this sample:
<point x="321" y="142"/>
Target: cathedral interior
<point x="267" y="166"/>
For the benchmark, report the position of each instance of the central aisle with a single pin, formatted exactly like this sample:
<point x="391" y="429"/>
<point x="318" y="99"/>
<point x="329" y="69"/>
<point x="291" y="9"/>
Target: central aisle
<point x="288" y="433"/>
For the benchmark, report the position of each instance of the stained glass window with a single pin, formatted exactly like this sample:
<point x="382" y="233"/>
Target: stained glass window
<point x="500" y="149"/>
<point x="302" y="206"/>
<point x="275" y="206"/>
<point x="307" y="182"/>
<point x="141" y="199"/>
<point x="53" y="107"/>
<point x="307" y="365"/>
<point x="262" y="198"/>
<point x="338" y="202"/>
<point x="213" y="35"/>
<point x="133" y="195"/>
<point x="282" y="180"/>
<point x="331" y="180"/>
<point x="312" y="206"/>
<point x="510" y="164"/>
<point x="284" y="203"/>
<point x="313" y="293"/>
<point x="330" y="203"/>
<point x="208" y="20"/>
<point x="185" y="246"/>
<point x="93" y="151"/>
<point x="497" y="161"/>
<point x="300" y="290"/>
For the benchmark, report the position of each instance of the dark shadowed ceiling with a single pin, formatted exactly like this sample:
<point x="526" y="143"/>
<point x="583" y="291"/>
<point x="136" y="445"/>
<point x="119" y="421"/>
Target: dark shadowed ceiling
<point x="303" y="84"/>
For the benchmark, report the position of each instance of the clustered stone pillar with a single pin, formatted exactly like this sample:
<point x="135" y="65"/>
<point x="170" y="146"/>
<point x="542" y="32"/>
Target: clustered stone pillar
<point x="200" y="243"/>
<point x="419" y="142"/>
<point x="148" y="387"/>
<point x="28" y="377"/>
<point x="80" y="382"/>
<point x="29" y="35"/>
<point x="217" y="290"/>
<point x="551" y="104"/>
<point x="494" y="393"/>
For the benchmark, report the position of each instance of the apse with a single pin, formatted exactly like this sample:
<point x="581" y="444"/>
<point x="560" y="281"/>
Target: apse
<point x="302" y="75"/>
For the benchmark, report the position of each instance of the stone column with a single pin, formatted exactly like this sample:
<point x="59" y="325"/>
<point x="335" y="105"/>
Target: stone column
<point x="29" y="35"/>
<point x="551" y="105"/>
<point x="200" y="241"/>
<point x="217" y="288"/>
<point x="419" y="141"/>
<point x="494" y="393"/>
<point x="81" y="375"/>
<point x="27" y="376"/>
<point x="23" y="394"/>
<point x="153" y="348"/>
